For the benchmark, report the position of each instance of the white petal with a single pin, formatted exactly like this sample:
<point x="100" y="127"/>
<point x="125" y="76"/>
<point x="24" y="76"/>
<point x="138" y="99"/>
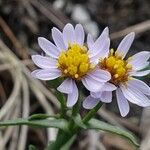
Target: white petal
<point x="106" y="96"/>
<point x="73" y="97"/>
<point x="90" y="102"/>
<point x="46" y="74"/>
<point x="101" y="53"/>
<point x="33" y="73"/>
<point x="125" y="44"/>
<point x="105" y="49"/>
<point x="91" y="84"/>
<point x="68" y="34"/>
<point x="101" y="39"/>
<point x="48" y="47"/>
<point x="140" y="73"/>
<point x="140" y="85"/>
<point x="96" y="94"/>
<point x="100" y="44"/>
<point x="44" y="62"/>
<point x="109" y="87"/>
<point x="58" y="39"/>
<point x="122" y="103"/>
<point x="139" y="60"/>
<point x="79" y="34"/>
<point x="66" y="86"/>
<point x="90" y="41"/>
<point x="139" y="66"/>
<point x="135" y="96"/>
<point x="100" y="75"/>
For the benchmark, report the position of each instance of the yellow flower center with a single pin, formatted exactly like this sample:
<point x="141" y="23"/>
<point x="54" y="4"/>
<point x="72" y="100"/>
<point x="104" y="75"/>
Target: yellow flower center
<point x="118" y="68"/>
<point x="74" y="62"/>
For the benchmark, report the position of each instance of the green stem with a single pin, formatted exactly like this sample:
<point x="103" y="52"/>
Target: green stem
<point x="75" y="111"/>
<point x="65" y="137"/>
<point x="88" y="116"/>
<point x="60" y="141"/>
<point x="91" y="113"/>
<point x="62" y="100"/>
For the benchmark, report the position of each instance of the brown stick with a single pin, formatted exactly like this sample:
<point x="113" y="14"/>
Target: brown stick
<point x="48" y="11"/>
<point x="21" y="51"/>
<point x="138" y="28"/>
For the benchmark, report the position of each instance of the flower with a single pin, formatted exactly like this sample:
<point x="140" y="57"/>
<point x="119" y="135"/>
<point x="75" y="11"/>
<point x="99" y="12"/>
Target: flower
<point x="122" y="81"/>
<point x="72" y="60"/>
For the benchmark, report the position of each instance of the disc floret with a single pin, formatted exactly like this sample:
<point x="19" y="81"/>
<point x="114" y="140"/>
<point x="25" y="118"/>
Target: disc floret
<point x="74" y="62"/>
<point x="118" y="67"/>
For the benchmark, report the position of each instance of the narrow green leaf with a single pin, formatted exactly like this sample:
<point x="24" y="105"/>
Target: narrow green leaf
<point x="39" y="116"/>
<point x="44" y="123"/>
<point x="100" y="125"/>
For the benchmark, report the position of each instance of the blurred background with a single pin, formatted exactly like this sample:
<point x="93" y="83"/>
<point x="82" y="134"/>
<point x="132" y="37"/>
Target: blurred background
<point x="21" y="23"/>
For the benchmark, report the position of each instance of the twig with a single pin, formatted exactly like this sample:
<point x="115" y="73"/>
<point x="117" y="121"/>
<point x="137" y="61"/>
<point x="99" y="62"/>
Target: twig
<point x="29" y="9"/>
<point x="13" y="97"/>
<point x="7" y="66"/>
<point x="11" y="132"/>
<point x="19" y="48"/>
<point x="25" y="114"/>
<point x="48" y="109"/>
<point x="14" y="141"/>
<point x="26" y="71"/>
<point x="3" y="94"/>
<point x="48" y="11"/>
<point x="138" y="28"/>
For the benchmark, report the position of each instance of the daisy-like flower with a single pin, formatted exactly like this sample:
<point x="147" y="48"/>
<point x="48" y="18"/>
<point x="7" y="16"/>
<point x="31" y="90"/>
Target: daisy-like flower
<point x="72" y="60"/>
<point x="122" y="81"/>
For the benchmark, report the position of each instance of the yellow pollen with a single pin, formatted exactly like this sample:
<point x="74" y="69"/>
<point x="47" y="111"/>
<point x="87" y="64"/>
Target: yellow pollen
<point x="76" y="76"/>
<point x="74" y="62"/>
<point x="116" y="75"/>
<point x="65" y="71"/>
<point x="84" y="48"/>
<point x="129" y="66"/>
<point x="118" y="68"/>
<point x="111" y="51"/>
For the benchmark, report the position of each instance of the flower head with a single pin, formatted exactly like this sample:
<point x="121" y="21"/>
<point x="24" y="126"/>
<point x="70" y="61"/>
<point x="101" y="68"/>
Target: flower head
<point x="72" y="60"/>
<point x="122" y="81"/>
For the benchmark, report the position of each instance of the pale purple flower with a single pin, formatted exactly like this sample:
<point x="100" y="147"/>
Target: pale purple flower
<point x="70" y="59"/>
<point x="122" y="70"/>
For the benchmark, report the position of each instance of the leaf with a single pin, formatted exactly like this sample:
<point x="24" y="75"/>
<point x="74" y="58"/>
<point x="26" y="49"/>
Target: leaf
<point x="100" y="125"/>
<point x="39" y="116"/>
<point x="44" y="123"/>
<point x="32" y="147"/>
